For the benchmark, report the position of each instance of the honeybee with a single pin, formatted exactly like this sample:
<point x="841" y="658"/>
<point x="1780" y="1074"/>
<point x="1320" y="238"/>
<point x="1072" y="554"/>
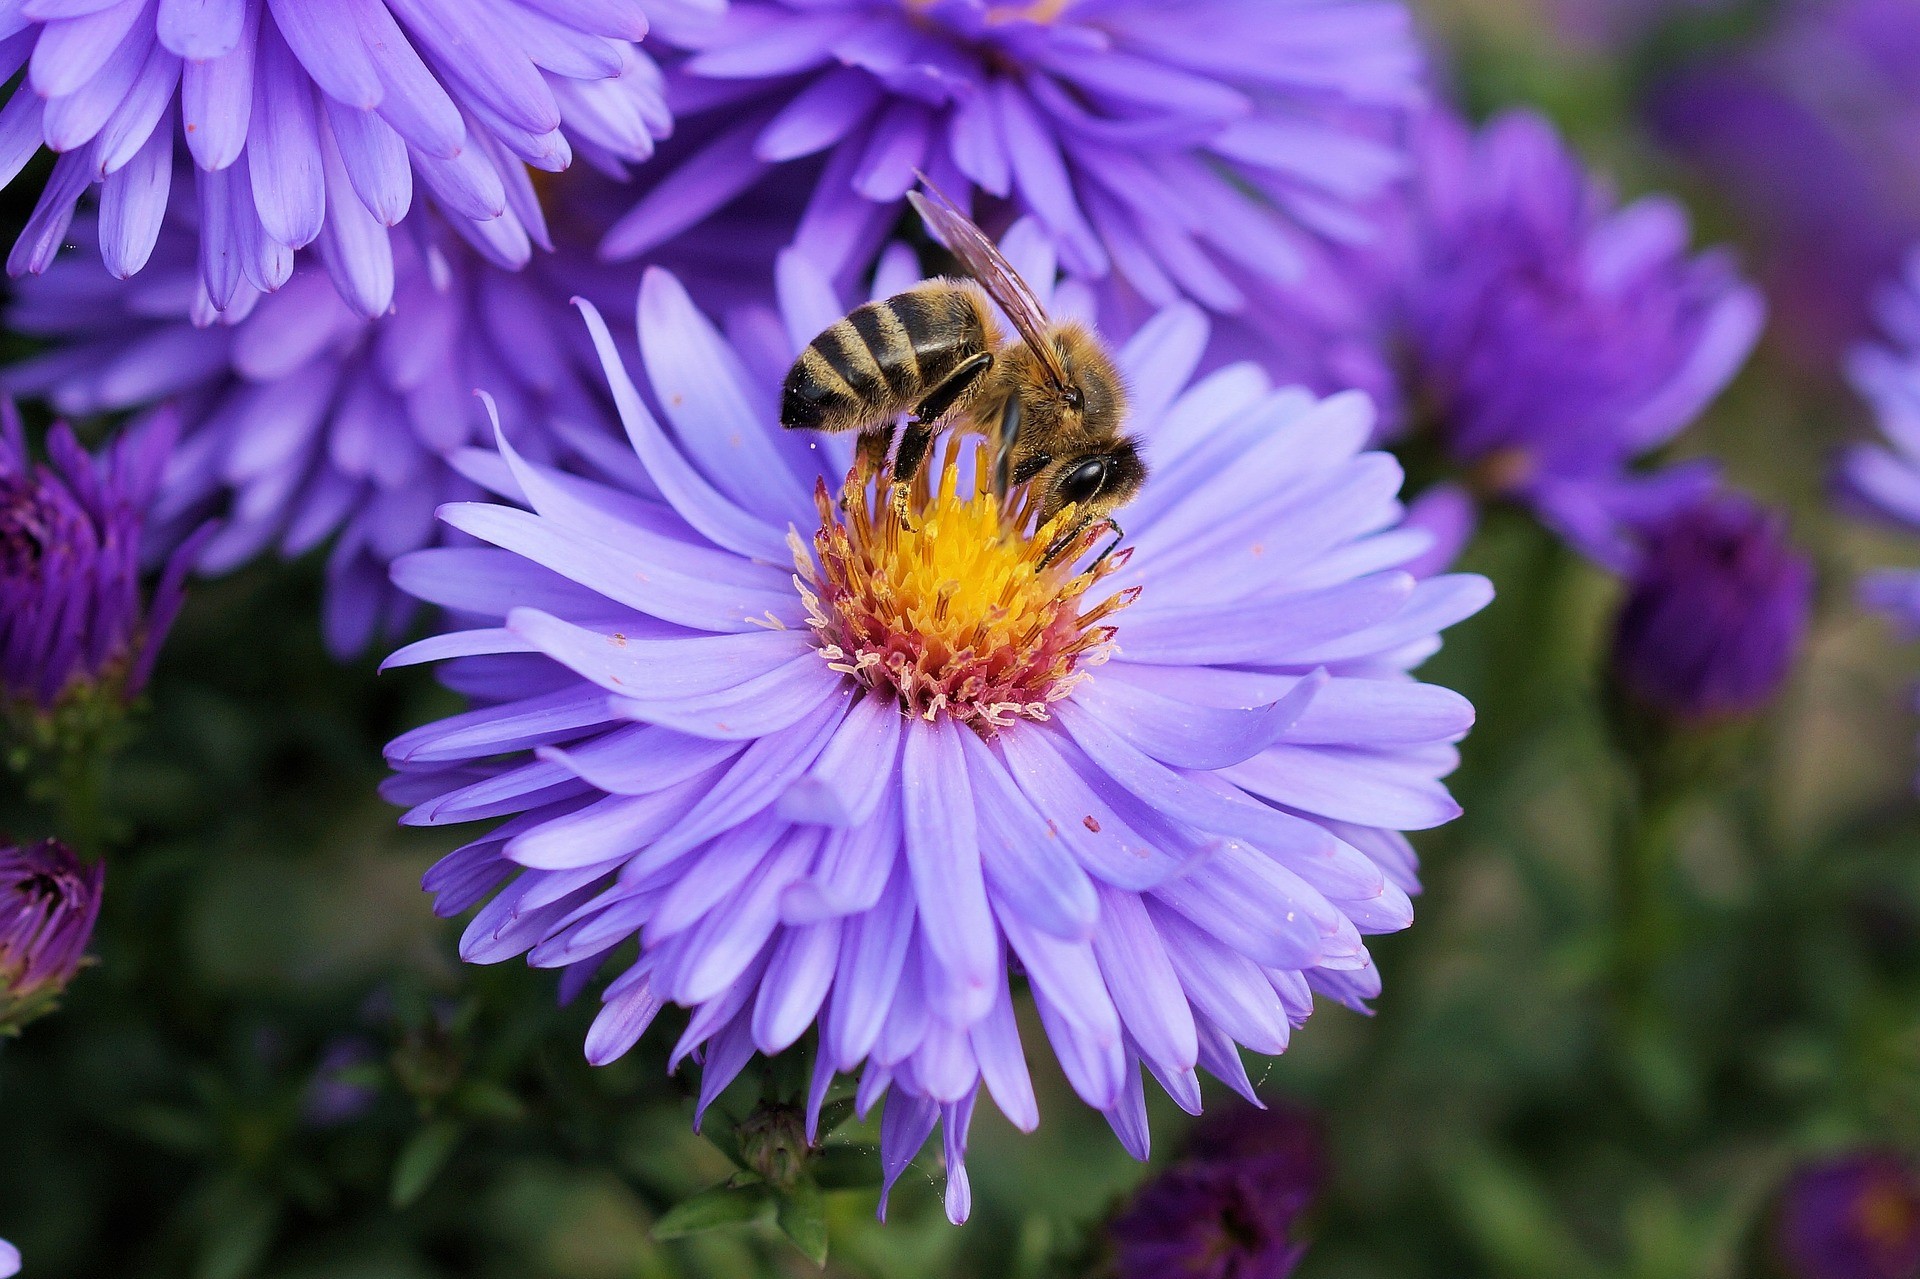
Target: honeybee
<point x="1051" y="403"/>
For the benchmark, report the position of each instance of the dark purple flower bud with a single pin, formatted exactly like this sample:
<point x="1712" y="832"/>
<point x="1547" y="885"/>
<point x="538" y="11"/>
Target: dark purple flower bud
<point x="72" y="617"/>
<point x="1856" y="1216"/>
<point x="1716" y="611"/>
<point x="1231" y="1208"/>
<point x="49" y="900"/>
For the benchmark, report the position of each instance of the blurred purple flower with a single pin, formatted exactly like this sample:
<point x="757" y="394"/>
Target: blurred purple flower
<point x="307" y="123"/>
<point x="333" y="1097"/>
<point x="73" y="622"/>
<point x="1882" y="480"/>
<point x="1231" y="1208"/>
<point x="1811" y="135"/>
<point x="303" y="420"/>
<point x="698" y="746"/>
<point x="1550" y="338"/>
<point x="49" y="901"/>
<point x="1183" y="149"/>
<point x="1716" y="611"/>
<point x="9" y="1260"/>
<point x="1854" y="1216"/>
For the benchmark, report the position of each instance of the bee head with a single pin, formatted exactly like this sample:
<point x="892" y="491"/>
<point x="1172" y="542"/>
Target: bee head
<point x="1097" y="482"/>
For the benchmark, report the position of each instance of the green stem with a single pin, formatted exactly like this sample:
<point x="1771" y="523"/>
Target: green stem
<point x="1642" y="874"/>
<point x="79" y="800"/>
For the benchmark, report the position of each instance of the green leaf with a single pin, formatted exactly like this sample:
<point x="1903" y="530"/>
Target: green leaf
<point x="803" y="1216"/>
<point x="845" y="1167"/>
<point x="243" y="1226"/>
<point x="722" y="1132"/>
<point x="484" y="1100"/>
<point x="716" y="1209"/>
<point x="422" y="1160"/>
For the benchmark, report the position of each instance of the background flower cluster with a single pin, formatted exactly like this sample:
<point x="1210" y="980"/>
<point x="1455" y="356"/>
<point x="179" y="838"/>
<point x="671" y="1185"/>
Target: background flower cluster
<point x="1470" y="828"/>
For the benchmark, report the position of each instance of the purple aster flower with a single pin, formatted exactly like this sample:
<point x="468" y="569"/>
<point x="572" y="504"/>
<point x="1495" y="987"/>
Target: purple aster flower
<point x="49" y="900"/>
<point x="1855" y="1216"/>
<point x="1180" y="149"/>
<point x="9" y="1260"/>
<point x="304" y="420"/>
<point x="307" y="123"/>
<point x="1716" y="611"/>
<point x="837" y="770"/>
<point x="1811" y="133"/>
<point x="1231" y="1208"/>
<point x="1550" y="337"/>
<point x="73" y="622"/>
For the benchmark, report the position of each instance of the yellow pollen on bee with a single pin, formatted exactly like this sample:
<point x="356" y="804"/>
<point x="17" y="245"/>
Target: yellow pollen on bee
<point x="961" y="606"/>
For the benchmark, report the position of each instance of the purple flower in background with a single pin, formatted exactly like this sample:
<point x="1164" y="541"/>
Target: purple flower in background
<point x="308" y="122"/>
<point x="1231" y="1208"/>
<point x="333" y="1094"/>
<point x="1811" y="135"/>
<point x="1551" y="338"/>
<point x="1855" y="1216"/>
<point x="1716" y="611"/>
<point x="1882" y="480"/>
<point x="303" y="420"/>
<point x="9" y="1260"/>
<point x="724" y="714"/>
<point x="73" y="622"/>
<point x="1182" y="149"/>
<point x="49" y="901"/>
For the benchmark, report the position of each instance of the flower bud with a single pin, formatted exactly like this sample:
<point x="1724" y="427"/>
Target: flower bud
<point x="1716" y="612"/>
<point x="1232" y="1206"/>
<point x="49" y="900"/>
<point x="77" y="639"/>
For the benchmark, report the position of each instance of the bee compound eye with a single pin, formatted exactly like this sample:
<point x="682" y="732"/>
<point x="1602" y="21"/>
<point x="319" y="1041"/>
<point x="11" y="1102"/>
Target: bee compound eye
<point x="1082" y="484"/>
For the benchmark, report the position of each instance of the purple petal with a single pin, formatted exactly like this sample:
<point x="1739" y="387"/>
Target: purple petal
<point x="1146" y="991"/>
<point x="1105" y="845"/>
<point x="133" y="203"/>
<point x="283" y="147"/>
<point x="943" y="854"/>
<point x="201" y="30"/>
<point x="324" y="35"/>
<point x="798" y="975"/>
<point x="1026" y="868"/>
<point x="845" y="785"/>
<point x="873" y="950"/>
<point x="216" y="99"/>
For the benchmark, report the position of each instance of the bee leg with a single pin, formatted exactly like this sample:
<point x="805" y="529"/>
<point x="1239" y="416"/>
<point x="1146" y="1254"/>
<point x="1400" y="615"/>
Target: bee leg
<point x="918" y="435"/>
<point x="1003" y="460"/>
<point x="870" y="458"/>
<point x="872" y="449"/>
<point x="1072" y="535"/>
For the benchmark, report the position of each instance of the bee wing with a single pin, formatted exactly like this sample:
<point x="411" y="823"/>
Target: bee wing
<point x="993" y="272"/>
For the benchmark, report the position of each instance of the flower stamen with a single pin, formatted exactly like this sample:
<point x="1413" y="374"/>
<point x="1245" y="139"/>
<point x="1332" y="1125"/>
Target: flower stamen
<point x="961" y="607"/>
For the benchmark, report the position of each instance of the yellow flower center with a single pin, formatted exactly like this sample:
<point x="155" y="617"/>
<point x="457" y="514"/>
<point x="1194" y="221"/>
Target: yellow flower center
<point x="962" y="607"/>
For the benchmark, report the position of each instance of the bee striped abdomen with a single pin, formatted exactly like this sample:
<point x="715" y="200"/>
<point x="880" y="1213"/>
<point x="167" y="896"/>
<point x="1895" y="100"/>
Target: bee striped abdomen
<point x="881" y="360"/>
